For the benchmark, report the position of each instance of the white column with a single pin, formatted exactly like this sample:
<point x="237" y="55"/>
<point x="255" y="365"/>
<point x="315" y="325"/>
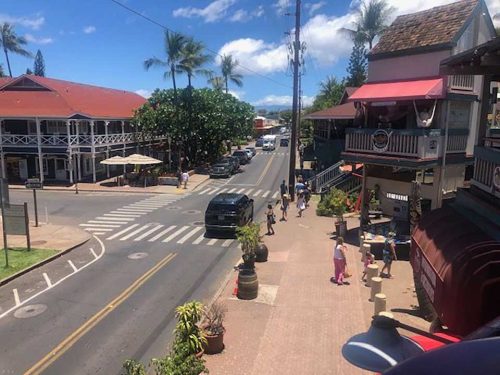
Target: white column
<point x="2" y="155"/>
<point x="122" y="123"/>
<point x="91" y="123"/>
<point x="78" y="154"/>
<point x="106" y="123"/>
<point x="39" y="144"/>
<point x="70" y="151"/>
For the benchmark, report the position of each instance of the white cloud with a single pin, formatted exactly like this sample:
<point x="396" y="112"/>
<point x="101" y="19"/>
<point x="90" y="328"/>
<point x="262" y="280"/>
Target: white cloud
<point x="261" y="57"/>
<point x="30" y="22"/>
<point x="281" y="6"/>
<point x="239" y="16"/>
<point x="89" y="29"/>
<point x="314" y="7"/>
<point x="144" y="93"/>
<point x="284" y="100"/>
<point x="33" y="39"/>
<point x="238" y="94"/>
<point x="212" y="12"/>
<point x="259" y="12"/>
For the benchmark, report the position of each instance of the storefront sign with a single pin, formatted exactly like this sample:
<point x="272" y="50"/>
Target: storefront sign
<point x="380" y="140"/>
<point x="397" y="197"/>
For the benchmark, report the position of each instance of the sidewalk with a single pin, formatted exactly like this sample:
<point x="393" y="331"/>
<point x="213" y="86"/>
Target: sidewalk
<point x="300" y="320"/>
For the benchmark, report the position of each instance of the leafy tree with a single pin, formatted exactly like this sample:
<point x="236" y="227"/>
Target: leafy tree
<point x="371" y="21"/>
<point x="39" y="65"/>
<point x="174" y="42"/>
<point x="228" y="67"/>
<point x="28" y="71"/>
<point x="10" y="42"/>
<point x="357" y="65"/>
<point x="193" y="59"/>
<point x="287" y="116"/>
<point x="330" y="93"/>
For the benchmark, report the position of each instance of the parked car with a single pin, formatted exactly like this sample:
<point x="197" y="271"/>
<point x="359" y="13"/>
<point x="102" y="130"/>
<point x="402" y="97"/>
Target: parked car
<point x="259" y="142"/>
<point x="249" y="153"/>
<point x="284" y="142"/>
<point x="222" y="168"/>
<point x="269" y="146"/>
<point x="235" y="161"/>
<point x="242" y="155"/>
<point x="254" y="151"/>
<point x="227" y="211"/>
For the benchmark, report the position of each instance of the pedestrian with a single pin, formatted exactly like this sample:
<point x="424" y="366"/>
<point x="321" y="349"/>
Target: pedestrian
<point x="301" y="203"/>
<point x="388" y="255"/>
<point x="284" y="207"/>
<point x="179" y="178"/>
<point x="185" y="178"/>
<point x="369" y="259"/>
<point x="283" y="189"/>
<point x="271" y="219"/>
<point x="339" y="262"/>
<point x="307" y="193"/>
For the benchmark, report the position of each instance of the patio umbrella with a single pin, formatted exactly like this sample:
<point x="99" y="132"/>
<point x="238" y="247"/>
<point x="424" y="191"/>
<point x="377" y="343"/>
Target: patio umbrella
<point x="139" y="159"/>
<point x="115" y="160"/>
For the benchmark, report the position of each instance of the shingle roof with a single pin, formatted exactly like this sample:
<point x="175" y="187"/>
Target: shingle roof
<point x="432" y="27"/>
<point x="338" y="112"/>
<point x="63" y="99"/>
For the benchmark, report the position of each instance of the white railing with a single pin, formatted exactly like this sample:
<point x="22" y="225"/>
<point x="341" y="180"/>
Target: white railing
<point x="456" y="143"/>
<point x="327" y="176"/>
<point x="486" y="165"/>
<point x="398" y="144"/>
<point x="462" y="82"/>
<point x="74" y="140"/>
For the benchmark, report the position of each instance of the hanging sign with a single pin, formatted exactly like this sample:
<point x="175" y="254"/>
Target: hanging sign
<point x="380" y="140"/>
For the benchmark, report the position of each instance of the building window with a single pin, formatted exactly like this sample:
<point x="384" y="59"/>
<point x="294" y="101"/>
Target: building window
<point x="45" y="163"/>
<point x="459" y="115"/>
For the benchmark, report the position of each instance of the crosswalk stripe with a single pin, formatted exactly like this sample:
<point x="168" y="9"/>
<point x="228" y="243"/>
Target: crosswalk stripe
<point x="145" y="204"/>
<point x="100" y="225"/>
<point x="98" y="229"/>
<point x="204" y="191"/>
<point x="226" y="243"/>
<point x="275" y="195"/>
<point x="240" y="191"/>
<point x="199" y="239"/>
<point x="138" y="209"/>
<point x="115" y="218"/>
<point x="233" y="189"/>
<point x="195" y="229"/>
<point x="122" y="231"/>
<point x="165" y="231"/>
<point x="135" y="232"/>
<point x="223" y="190"/>
<point x="132" y="210"/>
<point x="212" y="242"/>
<point x="248" y="191"/>
<point x="176" y="233"/>
<point x="265" y="194"/>
<point x="124" y="216"/>
<point x="213" y="191"/>
<point x="107" y="222"/>
<point x="144" y="235"/>
<point x="257" y="192"/>
<point x="98" y="233"/>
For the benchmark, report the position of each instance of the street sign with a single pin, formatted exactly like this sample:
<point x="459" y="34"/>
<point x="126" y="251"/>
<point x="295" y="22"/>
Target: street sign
<point x="33" y="183"/>
<point x="4" y="191"/>
<point x="15" y="219"/>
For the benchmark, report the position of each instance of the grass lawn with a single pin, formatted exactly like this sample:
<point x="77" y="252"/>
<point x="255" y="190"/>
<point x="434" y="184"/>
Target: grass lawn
<point x="21" y="258"/>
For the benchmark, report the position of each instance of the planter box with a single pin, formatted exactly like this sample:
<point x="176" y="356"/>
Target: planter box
<point x="167" y="181"/>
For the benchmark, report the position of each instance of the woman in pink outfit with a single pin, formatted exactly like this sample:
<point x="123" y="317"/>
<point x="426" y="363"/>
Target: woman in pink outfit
<point x="339" y="261"/>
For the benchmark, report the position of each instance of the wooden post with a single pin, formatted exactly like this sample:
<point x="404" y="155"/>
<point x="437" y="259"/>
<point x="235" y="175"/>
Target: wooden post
<point x="376" y="287"/>
<point x="106" y="124"/>
<point x="124" y="149"/>
<point x="364" y="249"/>
<point x="94" y="179"/>
<point x="380" y="303"/>
<point x="27" y="221"/>
<point x="70" y="151"/>
<point x="39" y="144"/>
<point x="372" y="271"/>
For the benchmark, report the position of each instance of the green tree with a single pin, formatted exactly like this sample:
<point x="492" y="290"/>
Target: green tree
<point x="193" y="59"/>
<point x="357" y="65"/>
<point x="228" y="67"/>
<point x="28" y="71"/>
<point x="286" y="115"/>
<point x="330" y="93"/>
<point x="39" y="65"/>
<point x="174" y="43"/>
<point x="10" y="42"/>
<point x="371" y="21"/>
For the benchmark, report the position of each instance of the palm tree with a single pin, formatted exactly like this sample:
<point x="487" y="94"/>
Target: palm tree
<point x="10" y="42"/>
<point x="228" y="66"/>
<point x="217" y="82"/>
<point x="2" y="74"/>
<point x="174" y="42"/>
<point x="193" y="59"/>
<point x="371" y="21"/>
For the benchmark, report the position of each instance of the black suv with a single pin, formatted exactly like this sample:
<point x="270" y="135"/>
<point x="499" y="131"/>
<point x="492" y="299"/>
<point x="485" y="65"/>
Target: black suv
<point x="242" y="155"/>
<point x="227" y="211"/>
<point x="223" y="167"/>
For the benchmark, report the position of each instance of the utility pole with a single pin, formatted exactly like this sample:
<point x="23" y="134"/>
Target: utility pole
<point x="295" y="110"/>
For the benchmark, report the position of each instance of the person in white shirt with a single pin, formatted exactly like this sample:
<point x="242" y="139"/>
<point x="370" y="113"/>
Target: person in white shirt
<point x="339" y="262"/>
<point x="184" y="179"/>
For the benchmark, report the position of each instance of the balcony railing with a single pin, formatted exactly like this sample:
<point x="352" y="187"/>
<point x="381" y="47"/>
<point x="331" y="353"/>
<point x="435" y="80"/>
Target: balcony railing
<point x="407" y="143"/>
<point x="462" y="82"/>
<point x="22" y="140"/>
<point x="487" y="170"/>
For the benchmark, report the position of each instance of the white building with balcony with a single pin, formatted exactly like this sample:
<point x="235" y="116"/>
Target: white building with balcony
<point x="59" y="131"/>
<point x="416" y="123"/>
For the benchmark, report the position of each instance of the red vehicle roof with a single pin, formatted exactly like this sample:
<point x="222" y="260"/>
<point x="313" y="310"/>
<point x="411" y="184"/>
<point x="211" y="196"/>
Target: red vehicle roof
<point x="33" y="96"/>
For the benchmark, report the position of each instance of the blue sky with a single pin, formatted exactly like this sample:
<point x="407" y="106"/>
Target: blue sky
<point x="99" y="42"/>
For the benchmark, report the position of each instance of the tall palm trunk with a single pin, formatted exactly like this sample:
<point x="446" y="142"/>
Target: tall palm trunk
<point x="172" y="69"/>
<point x="8" y="62"/>
<point x="225" y="80"/>
<point x="189" y="80"/>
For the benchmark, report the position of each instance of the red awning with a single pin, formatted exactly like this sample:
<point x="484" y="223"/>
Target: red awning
<point x="400" y="90"/>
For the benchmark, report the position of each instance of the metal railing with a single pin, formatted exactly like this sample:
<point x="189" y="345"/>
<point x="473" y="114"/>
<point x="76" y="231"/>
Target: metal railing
<point x="486" y="165"/>
<point x="327" y="176"/>
<point x="462" y="82"/>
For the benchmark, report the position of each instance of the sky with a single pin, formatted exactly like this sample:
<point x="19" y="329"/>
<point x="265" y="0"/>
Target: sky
<point x="99" y="42"/>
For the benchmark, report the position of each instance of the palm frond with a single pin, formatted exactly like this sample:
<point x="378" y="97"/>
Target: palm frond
<point x="154" y="61"/>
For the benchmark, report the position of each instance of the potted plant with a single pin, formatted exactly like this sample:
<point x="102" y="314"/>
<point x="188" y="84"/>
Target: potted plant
<point x="261" y="250"/>
<point x="213" y="327"/>
<point x="187" y="329"/>
<point x="337" y="202"/>
<point x="248" y="237"/>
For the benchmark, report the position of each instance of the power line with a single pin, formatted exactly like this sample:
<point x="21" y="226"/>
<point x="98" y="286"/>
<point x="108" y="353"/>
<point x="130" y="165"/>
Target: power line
<point x="208" y="49"/>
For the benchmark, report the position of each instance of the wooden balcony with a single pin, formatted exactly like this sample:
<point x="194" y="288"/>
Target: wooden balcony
<point x="487" y="170"/>
<point x="461" y="83"/>
<point x="416" y="144"/>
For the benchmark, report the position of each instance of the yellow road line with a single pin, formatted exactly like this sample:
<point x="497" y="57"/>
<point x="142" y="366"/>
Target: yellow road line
<point x="69" y="341"/>
<point x="265" y="171"/>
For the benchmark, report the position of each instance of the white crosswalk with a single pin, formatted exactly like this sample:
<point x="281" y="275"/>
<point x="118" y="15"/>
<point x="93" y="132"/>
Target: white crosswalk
<point x="153" y="232"/>
<point x="259" y="193"/>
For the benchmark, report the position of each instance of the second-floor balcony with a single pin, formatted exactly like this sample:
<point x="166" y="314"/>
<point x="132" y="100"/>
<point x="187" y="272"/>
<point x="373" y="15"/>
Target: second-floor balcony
<point x="487" y="170"/>
<point x="417" y="144"/>
<point x="55" y="140"/>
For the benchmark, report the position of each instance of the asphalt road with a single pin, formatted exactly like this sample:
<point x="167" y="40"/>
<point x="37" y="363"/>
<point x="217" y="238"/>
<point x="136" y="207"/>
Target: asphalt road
<point x="118" y="307"/>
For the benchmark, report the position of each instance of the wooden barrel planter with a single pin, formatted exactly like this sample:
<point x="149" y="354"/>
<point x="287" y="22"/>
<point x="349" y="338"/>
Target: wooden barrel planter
<point x="215" y="343"/>
<point x="261" y="253"/>
<point x="248" y="285"/>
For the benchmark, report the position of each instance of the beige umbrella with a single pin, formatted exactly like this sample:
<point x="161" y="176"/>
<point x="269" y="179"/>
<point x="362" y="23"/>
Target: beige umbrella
<point x="115" y="160"/>
<point x="139" y="159"/>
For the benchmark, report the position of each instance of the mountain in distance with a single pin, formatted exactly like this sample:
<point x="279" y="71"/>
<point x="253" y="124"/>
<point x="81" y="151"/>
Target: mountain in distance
<point x="272" y="108"/>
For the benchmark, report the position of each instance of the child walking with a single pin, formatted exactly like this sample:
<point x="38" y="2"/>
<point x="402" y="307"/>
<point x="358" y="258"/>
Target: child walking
<point x="301" y="204"/>
<point x="369" y="259"/>
<point x="284" y="207"/>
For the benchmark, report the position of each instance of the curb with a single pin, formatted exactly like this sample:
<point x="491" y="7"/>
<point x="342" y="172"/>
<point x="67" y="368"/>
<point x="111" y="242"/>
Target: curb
<point x="41" y="263"/>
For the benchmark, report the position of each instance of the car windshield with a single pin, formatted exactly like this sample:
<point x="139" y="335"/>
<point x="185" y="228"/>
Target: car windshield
<point x="239" y="153"/>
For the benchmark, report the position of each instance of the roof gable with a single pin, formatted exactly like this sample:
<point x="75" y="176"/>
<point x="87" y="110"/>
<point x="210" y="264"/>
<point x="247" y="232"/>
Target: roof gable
<point x="433" y="28"/>
<point x="23" y="83"/>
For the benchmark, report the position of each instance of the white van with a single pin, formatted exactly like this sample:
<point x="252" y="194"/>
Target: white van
<point x="269" y="143"/>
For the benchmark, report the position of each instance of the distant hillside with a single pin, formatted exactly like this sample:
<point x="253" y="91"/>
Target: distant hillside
<point x="272" y="108"/>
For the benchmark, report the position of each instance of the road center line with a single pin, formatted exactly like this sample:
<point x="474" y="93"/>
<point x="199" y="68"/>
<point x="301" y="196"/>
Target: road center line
<point x="69" y="341"/>
<point x="264" y="172"/>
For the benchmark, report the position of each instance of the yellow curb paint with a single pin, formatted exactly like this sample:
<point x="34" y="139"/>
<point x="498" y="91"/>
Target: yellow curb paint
<point x="69" y="341"/>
